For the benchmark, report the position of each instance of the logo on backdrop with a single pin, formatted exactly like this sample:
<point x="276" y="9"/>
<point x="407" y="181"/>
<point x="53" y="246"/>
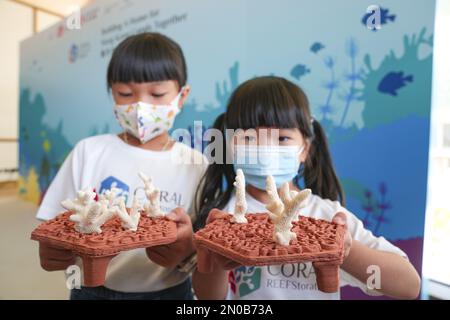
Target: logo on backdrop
<point x="73" y="53"/>
<point x="78" y="51"/>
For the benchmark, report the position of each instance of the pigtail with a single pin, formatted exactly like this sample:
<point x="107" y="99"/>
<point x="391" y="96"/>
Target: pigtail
<point x="318" y="172"/>
<point x="216" y="185"/>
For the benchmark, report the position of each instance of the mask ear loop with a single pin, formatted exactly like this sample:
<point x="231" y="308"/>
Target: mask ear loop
<point x="178" y="97"/>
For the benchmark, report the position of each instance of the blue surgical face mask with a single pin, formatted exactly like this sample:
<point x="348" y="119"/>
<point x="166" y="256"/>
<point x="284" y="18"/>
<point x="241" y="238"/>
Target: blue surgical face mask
<point x="257" y="162"/>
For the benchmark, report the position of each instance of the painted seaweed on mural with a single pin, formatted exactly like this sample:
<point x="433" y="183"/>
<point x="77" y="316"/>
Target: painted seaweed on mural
<point x="42" y="149"/>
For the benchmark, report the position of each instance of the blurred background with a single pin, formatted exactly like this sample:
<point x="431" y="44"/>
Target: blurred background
<point x="382" y="94"/>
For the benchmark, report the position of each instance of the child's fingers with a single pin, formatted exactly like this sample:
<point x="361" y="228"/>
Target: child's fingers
<point x="162" y="250"/>
<point x="50" y="264"/>
<point x="340" y="218"/>
<point x="215" y="214"/>
<point x="153" y="254"/>
<point x="179" y="216"/>
<point x="225" y="263"/>
<point x="55" y="265"/>
<point x="230" y="265"/>
<point x="52" y="253"/>
<point x="157" y="259"/>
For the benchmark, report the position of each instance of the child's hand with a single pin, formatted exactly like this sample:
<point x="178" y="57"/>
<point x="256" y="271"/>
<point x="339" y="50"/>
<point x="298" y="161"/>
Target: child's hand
<point x="341" y="218"/>
<point x="172" y="254"/>
<point x="222" y="262"/>
<point x="53" y="258"/>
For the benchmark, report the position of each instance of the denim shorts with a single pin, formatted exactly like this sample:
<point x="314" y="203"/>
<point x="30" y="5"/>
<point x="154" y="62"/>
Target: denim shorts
<point x="182" y="291"/>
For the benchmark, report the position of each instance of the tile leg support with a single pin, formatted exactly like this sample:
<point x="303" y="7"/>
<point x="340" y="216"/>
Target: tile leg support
<point x="327" y="276"/>
<point x="94" y="270"/>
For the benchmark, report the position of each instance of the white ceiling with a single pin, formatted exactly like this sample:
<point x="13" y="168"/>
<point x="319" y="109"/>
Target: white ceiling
<point x="64" y="7"/>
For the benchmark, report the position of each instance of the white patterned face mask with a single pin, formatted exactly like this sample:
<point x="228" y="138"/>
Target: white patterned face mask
<point x="146" y="121"/>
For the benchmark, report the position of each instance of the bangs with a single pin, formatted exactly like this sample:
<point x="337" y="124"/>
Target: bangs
<point x="263" y="102"/>
<point x="146" y="58"/>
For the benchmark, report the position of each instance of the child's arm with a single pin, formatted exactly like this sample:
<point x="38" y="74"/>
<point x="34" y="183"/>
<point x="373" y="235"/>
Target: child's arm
<point x="398" y="277"/>
<point x="214" y="285"/>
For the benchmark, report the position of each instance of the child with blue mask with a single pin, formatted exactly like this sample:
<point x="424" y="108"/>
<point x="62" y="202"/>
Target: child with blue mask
<point x="257" y="162"/>
<point x="275" y="134"/>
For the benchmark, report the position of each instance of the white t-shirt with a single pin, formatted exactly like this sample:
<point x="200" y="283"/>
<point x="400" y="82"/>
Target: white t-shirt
<point x="105" y="161"/>
<point x="298" y="281"/>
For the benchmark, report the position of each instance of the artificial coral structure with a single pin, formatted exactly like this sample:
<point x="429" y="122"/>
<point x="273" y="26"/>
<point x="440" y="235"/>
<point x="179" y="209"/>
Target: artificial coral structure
<point x="91" y="211"/>
<point x="278" y="236"/>
<point x="240" y="208"/>
<point x="283" y="211"/>
<point x="98" y="227"/>
<point x="152" y="207"/>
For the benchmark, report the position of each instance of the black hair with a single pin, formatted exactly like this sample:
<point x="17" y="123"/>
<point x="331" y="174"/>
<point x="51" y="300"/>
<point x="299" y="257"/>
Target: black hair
<point x="147" y="57"/>
<point x="269" y="102"/>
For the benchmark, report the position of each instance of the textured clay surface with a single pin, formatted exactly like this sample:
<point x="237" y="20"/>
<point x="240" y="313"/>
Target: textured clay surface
<point x="97" y="249"/>
<point x="251" y="244"/>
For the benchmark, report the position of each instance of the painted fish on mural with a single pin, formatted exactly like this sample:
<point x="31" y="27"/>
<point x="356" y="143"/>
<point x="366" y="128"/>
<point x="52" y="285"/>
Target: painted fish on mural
<point x="316" y="47"/>
<point x="299" y="71"/>
<point x="393" y="81"/>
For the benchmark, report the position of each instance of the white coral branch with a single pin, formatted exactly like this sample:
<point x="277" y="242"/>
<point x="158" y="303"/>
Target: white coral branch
<point x="129" y="221"/>
<point x="105" y="213"/>
<point x="275" y="205"/>
<point x="88" y="214"/>
<point x="110" y="197"/>
<point x="240" y="208"/>
<point x="284" y="209"/>
<point x="152" y="208"/>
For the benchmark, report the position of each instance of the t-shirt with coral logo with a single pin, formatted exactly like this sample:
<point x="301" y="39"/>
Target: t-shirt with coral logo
<point x="293" y="281"/>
